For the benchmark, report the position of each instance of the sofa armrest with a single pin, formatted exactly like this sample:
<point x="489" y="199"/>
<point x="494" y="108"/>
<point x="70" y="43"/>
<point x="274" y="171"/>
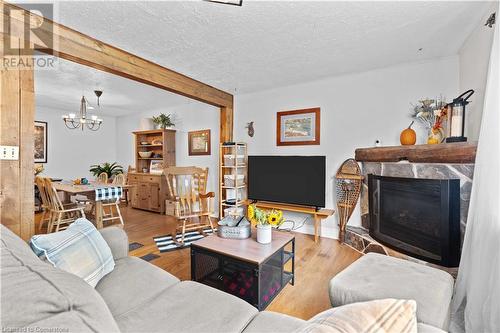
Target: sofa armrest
<point x="117" y="240"/>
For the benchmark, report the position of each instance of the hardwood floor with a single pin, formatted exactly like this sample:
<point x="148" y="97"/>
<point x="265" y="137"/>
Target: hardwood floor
<point x="315" y="263"/>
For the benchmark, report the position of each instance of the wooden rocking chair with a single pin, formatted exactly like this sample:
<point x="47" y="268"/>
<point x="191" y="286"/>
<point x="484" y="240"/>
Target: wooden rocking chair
<point x="187" y="190"/>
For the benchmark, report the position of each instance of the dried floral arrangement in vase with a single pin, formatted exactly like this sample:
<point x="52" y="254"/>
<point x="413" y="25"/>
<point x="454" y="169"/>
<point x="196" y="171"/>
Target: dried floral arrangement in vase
<point x="432" y="113"/>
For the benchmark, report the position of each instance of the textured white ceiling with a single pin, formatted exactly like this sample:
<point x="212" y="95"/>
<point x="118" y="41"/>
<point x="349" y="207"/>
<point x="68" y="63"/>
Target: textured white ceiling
<point x="61" y="90"/>
<point x="268" y="44"/>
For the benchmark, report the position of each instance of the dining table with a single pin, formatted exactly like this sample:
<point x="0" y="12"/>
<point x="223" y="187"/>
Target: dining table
<point x="68" y="188"/>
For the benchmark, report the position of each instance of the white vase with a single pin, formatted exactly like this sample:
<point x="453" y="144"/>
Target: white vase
<point x="264" y="233"/>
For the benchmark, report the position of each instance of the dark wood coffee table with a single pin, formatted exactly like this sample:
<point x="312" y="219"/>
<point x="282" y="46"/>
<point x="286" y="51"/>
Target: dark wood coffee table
<point x="251" y="271"/>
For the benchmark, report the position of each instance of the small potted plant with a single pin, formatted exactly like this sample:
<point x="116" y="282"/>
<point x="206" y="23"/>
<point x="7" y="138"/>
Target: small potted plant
<point x="265" y="221"/>
<point x="163" y="121"/>
<point x="110" y="169"/>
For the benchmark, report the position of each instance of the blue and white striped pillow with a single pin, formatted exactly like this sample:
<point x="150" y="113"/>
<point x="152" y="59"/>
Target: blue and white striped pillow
<point x="80" y="250"/>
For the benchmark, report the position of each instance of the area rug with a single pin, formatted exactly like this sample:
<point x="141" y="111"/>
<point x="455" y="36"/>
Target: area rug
<point x="150" y="256"/>
<point x="134" y="246"/>
<point x="165" y="243"/>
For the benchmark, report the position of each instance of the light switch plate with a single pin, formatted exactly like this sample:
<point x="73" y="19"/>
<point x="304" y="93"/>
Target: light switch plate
<point x="9" y="153"/>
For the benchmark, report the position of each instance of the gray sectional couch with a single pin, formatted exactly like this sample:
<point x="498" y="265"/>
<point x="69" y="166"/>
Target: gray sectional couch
<point x="135" y="297"/>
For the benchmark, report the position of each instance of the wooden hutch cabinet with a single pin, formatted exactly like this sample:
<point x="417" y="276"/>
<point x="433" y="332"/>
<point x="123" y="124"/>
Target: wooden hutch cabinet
<point x="150" y="189"/>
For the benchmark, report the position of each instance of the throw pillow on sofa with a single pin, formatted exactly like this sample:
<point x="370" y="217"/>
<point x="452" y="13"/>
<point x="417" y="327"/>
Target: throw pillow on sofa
<point x="80" y="250"/>
<point x="380" y="316"/>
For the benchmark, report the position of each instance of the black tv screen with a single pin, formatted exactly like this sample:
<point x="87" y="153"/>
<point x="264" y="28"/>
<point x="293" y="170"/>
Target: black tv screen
<point x="296" y="180"/>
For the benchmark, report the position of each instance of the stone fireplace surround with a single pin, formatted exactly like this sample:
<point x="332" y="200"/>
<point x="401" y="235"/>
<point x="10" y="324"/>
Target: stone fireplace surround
<point x="443" y="161"/>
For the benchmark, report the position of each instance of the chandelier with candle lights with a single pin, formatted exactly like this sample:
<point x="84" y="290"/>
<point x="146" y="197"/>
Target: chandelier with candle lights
<point x="92" y="122"/>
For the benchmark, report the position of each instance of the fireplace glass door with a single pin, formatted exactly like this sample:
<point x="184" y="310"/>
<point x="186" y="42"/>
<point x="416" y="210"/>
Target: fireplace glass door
<point x="419" y="217"/>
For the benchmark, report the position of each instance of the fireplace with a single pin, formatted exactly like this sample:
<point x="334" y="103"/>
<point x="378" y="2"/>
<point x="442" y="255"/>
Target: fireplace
<point x="419" y="217"/>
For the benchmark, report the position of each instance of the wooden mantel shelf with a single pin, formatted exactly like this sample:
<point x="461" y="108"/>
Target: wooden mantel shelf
<point x="462" y="152"/>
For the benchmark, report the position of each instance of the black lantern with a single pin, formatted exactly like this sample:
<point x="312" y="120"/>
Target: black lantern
<point x="456" y="117"/>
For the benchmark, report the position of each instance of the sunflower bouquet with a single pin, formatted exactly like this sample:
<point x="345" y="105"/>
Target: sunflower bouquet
<point x="259" y="216"/>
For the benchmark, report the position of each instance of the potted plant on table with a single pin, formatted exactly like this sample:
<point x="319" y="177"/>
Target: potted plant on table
<point x="110" y="169"/>
<point x="163" y="121"/>
<point x="264" y="221"/>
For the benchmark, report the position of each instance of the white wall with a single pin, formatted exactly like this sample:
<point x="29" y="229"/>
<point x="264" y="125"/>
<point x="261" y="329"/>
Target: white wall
<point x="191" y="116"/>
<point x="356" y="110"/>
<point x="474" y="59"/>
<point x="71" y="152"/>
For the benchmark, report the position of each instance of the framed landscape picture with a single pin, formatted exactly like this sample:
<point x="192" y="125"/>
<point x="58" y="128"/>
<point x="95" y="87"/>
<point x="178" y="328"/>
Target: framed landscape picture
<point x="298" y="127"/>
<point x="40" y="142"/>
<point x="199" y="142"/>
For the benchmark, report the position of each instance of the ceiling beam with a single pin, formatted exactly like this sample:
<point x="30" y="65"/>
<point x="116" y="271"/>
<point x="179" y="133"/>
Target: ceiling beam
<point x="74" y="46"/>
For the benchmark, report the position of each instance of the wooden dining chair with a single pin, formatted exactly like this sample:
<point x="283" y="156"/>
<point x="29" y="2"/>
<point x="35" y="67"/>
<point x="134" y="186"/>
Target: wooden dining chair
<point x="114" y="204"/>
<point x="46" y="208"/>
<point x="108" y="206"/>
<point x="119" y="179"/>
<point x="46" y="204"/>
<point x="126" y="190"/>
<point x="102" y="178"/>
<point x="193" y="206"/>
<point x="61" y="215"/>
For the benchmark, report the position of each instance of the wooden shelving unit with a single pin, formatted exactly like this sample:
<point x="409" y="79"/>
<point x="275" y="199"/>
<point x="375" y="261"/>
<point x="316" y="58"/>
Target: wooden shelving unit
<point x="232" y="195"/>
<point x="150" y="189"/>
<point x="163" y="148"/>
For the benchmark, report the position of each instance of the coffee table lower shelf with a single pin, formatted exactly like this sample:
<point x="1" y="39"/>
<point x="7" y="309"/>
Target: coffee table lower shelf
<point x="258" y="284"/>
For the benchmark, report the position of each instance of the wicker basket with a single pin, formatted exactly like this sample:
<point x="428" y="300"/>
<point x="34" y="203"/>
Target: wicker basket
<point x="229" y="160"/>
<point x="233" y="180"/>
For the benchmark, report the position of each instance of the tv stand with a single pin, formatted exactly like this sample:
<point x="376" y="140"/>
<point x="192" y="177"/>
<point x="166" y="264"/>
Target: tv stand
<point x="317" y="213"/>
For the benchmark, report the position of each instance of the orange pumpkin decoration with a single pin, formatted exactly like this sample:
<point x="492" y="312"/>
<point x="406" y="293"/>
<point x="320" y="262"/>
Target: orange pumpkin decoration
<point x="408" y="136"/>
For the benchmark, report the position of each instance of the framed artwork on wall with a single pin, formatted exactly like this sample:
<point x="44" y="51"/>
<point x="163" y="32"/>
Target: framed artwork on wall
<point x="40" y="141"/>
<point x="156" y="166"/>
<point x="298" y="127"/>
<point x="199" y="142"/>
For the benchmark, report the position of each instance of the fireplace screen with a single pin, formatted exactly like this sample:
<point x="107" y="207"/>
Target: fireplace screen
<point x="419" y="217"/>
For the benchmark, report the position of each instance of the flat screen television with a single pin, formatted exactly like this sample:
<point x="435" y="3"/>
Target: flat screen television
<point x="298" y="180"/>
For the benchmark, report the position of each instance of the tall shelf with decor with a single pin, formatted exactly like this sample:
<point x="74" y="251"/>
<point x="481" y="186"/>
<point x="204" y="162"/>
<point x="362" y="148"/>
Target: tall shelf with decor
<point x="149" y="190"/>
<point x="154" y="145"/>
<point x="233" y="163"/>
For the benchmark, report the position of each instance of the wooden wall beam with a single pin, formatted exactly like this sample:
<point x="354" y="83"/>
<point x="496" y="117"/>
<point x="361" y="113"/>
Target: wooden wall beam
<point x="76" y="47"/>
<point x="18" y="108"/>
<point x="226" y="124"/>
<point x="17" y="112"/>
